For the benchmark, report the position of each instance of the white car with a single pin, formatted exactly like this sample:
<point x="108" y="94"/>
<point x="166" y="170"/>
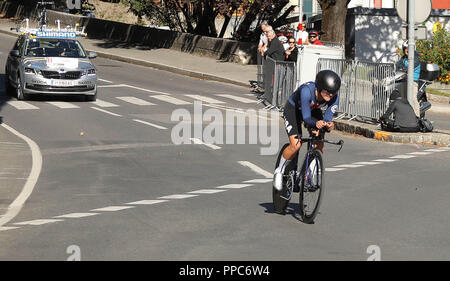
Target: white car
<point x="50" y="62"/>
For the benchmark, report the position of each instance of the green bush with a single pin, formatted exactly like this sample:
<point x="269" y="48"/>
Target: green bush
<point x="437" y="50"/>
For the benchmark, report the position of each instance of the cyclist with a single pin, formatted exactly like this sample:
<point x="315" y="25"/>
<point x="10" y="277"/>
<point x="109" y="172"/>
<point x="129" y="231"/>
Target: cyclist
<point x="304" y="105"/>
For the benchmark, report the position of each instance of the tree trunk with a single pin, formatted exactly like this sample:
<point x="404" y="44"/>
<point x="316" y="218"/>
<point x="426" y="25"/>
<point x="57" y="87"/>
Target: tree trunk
<point x="334" y="14"/>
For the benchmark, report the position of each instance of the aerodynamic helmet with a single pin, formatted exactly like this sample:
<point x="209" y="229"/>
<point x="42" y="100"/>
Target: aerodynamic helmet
<point x="328" y="80"/>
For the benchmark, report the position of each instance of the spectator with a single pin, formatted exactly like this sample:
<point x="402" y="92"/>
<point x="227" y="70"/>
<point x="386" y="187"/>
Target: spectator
<point x="313" y="38"/>
<point x="402" y="65"/>
<point x="263" y="42"/>
<point x="283" y="41"/>
<point x="275" y="48"/>
<point x="302" y="34"/>
<point x="292" y="52"/>
<point x="404" y="118"/>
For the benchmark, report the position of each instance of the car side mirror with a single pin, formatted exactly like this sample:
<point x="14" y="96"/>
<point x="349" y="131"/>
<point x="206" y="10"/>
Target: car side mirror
<point x="92" y="55"/>
<point x="15" y="53"/>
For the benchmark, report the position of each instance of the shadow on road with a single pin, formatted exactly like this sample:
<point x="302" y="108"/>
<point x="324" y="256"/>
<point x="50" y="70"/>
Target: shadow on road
<point x="292" y="209"/>
<point x="4" y="97"/>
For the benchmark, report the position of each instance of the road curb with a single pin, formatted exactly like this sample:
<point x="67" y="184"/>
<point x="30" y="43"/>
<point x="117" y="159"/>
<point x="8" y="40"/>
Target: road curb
<point x="171" y="69"/>
<point x="437" y="137"/>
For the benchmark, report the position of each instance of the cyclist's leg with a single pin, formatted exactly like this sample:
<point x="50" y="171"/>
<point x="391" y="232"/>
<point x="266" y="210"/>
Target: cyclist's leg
<point x="292" y="129"/>
<point x="292" y="118"/>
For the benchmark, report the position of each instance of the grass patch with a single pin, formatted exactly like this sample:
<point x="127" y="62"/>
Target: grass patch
<point x="438" y="93"/>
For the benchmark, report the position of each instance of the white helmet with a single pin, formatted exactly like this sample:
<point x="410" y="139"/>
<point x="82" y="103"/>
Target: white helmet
<point x="405" y="45"/>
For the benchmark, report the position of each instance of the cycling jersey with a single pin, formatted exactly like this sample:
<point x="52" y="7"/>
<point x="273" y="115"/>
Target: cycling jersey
<point x="304" y="99"/>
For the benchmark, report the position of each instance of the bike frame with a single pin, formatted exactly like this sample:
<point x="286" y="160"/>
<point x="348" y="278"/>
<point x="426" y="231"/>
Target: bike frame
<point x="311" y="141"/>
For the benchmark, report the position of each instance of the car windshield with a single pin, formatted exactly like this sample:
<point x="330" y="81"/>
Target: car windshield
<point x="49" y="47"/>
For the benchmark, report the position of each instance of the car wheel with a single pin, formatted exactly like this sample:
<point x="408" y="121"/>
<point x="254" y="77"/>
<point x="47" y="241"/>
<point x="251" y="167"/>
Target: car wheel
<point x="19" y="91"/>
<point x="8" y="87"/>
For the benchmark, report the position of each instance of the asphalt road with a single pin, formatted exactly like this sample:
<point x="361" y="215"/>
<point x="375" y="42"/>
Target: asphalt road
<point x="115" y="186"/>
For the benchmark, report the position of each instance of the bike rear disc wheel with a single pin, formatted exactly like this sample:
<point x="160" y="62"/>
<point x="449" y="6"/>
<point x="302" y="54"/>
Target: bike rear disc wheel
<point x="282" y="197"/>
<point x="311" y="192"/>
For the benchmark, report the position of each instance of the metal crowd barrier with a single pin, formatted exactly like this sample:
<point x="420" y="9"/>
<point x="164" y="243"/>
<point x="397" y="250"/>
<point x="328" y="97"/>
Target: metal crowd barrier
<point x="365" y="87"/>
<point x="279" y="81"/>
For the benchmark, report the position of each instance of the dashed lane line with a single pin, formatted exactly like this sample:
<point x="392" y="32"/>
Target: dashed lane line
<point x="177" y="196"/>
<point x="38" y="222"/>
<point x="212" y="146"/>
<point x="76" y="215"/>
<point x="107" y="112"/>
<point x="112" y="209"/>
<point x="150" y="124"/>
<point x="256" y="169"/>
<point x="146" y="202"/>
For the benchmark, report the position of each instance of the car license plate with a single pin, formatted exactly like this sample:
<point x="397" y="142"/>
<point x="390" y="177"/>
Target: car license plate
<point x="61" y="83"/>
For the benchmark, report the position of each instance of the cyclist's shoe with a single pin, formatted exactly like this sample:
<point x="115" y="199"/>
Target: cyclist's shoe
<point x="278" y="181"/>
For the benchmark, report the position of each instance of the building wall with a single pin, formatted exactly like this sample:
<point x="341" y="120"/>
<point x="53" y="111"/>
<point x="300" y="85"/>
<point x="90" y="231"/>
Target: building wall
<point x="375" y="34"/>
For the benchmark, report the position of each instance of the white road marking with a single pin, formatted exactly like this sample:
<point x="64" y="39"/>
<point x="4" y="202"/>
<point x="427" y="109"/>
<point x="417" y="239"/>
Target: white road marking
<point x="38" y="222"/>
<point x="21" y="105"/>
<point x="150" y="124"/>
<point x="5" y="228"/>
<point x="171" y="100"/>
<point x="212" y="146"/>
<point x="366" y="163"/>
<point x="146" y="202"/>
<point x="145" y="90"/>
<point x="385" y="160"/>
<point x="434" y="150"/>
<point x="256" y="169"/>
<point x="103" y="103"/>
<point x="402" y="156"/>
<point x="111" y="86"/>
<point x="233" y="186"/>
<point x="36" y="166"/>
<point x="259" y="181"/>
<point x="206" y="191"/>
<point x="63" y="105"/>
<point x="107" y="112"/>
<point x="420" y="153"/>
<point x="177" y="196"/>
<point x="334" y="169"/>
<point x="76" y="215"/>
<point x="104" y="80"/>
<point x="134" y="100"/>
<point x="347" y="166"/>
<point x="112" y="209"/>
<point x="205" y="99"/>
<point x="237" y="98"/>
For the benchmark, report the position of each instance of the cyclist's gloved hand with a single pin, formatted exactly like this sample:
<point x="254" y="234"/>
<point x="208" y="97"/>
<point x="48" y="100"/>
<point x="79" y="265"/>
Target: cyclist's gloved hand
<point x="330" y="126"/>
<point x="320" y="124"/>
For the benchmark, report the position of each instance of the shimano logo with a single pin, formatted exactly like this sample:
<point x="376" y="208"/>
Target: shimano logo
<point x="57" y="34"/>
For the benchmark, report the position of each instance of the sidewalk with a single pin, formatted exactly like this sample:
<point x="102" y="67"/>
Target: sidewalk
<point x="211" y="69"/>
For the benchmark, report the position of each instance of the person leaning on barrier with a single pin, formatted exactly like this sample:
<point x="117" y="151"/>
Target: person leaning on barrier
<point x="275" y="49"/>
<point x="292" y="51"/>
<point x="405" y="120"/>
<point x="263" y="41"/>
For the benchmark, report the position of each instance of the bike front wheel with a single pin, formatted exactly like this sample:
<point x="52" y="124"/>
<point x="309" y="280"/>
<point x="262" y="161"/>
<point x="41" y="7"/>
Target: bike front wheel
<point x="311" y="188"/>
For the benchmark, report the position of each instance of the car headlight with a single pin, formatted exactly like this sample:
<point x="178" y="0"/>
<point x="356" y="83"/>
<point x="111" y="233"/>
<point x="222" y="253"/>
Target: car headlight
<point x="30" y="70"/>
<point x="89" y="71"/>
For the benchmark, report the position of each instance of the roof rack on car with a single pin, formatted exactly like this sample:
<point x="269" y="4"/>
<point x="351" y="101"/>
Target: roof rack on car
<point x="44" y="31"/>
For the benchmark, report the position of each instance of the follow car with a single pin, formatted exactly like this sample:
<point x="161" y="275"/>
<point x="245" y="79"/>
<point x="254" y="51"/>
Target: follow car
<point x="50" y="62"/>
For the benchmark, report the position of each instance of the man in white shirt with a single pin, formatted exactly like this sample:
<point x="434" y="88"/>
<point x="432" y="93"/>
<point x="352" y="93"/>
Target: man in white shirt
<point x="263" y="41"/>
